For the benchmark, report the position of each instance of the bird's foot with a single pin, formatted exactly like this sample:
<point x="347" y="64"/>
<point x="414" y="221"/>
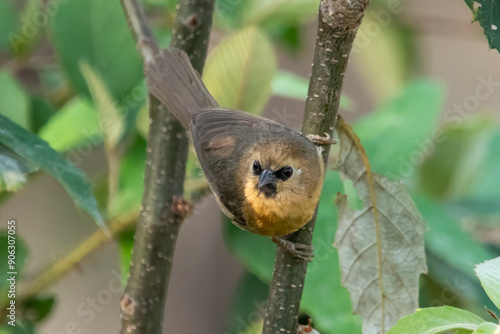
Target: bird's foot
<point x="298" y="250"/>
<point x="318" y="140"/>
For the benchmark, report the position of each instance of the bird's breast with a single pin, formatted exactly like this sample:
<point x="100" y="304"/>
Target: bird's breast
<point x="274" y="216"/>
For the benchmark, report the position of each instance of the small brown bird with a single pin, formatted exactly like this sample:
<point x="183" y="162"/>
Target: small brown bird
<point x="266" y="177"/>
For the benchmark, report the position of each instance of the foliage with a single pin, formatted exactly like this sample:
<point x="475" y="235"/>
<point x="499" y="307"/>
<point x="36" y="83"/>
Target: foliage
<point x="449" y="173"/>
<point x="487" y="12"/>
<point x="449" y="319"/>
<point x="380" y="244"/>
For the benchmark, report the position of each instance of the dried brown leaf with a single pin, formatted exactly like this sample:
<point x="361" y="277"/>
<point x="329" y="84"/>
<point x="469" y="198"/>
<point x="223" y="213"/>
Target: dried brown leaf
<point x="381" y="246"/>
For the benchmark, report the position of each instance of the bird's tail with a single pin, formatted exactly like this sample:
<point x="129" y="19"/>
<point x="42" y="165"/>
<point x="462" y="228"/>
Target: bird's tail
<point x="173" y="81"/>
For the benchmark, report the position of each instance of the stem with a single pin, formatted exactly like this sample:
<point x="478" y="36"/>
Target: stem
<point x="339" y="21"/>
<point x="65" y="264"/>
<point x="163" y="208"/>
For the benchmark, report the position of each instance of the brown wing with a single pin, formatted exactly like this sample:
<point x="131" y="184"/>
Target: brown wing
<point x="220" y="137"/>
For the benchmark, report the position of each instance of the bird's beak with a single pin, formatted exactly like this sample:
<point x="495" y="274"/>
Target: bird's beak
<point x="266" y="177"/>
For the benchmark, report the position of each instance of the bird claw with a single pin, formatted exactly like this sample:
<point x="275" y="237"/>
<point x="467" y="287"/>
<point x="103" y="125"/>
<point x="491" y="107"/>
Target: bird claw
<point x="318" y="140"/>
<point x="300" y="251"/>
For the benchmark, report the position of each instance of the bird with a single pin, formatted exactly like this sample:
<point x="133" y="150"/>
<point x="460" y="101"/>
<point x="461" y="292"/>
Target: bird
<point x="266" y="177"/>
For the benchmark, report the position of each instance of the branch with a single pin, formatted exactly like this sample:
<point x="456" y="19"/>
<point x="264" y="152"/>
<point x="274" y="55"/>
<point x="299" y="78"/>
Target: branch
<point x="59" y="268"/>
<point x="338" y="22"/>
<point x="163" y="208"/>
<point x="65" y="264"/>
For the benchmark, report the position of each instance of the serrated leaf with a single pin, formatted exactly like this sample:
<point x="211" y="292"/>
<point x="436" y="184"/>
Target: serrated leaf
<point x="239" y="71"/>
<point x="14" y="101"/>
<point x="487" y="12"/>
<point x="487" y="328"/>
<point x="13" y="170"/>
<point x="381" y="246"/>
<point x="39" y="154"/>
<point x="110" y="119"/>
<point x="75" y="124"/>
<point x="434" y="320"/>
<point x="489" y="275"/>
<point x="96" y="32"/>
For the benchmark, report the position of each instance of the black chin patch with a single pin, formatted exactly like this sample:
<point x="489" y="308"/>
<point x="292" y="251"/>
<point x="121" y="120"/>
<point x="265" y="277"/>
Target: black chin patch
<point x="269" y="190"/>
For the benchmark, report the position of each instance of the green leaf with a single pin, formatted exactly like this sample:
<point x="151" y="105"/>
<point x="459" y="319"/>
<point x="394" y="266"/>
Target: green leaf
<point x="39" y="154"/>
<point x="436" y="320"/>
<point x="408" y="120"/>
<point x="131" y="184"/>
<point x="35" y="310"/>
<point x="487" y="12"/>
<point x="239" y="71"/>
<point x="126" y="244"/>
<point x="448" y="285"/>
<point x="21" y="252"/>
<point x="110" y="119"/>
<point x="41" y="112"/>
<point x="8" y="24"/>
<point x="76" y="124"/>
<point x="489" y="275"/>
<point x="324" y="299"/>
<point x="293" y="86"/>
<point x="381" y="245"/>
<point x="20" y="328"/>
<point x="487" y="328"/>
<point x="447" y="240"/>
<point x="96" y="32"/>
<point x="248" y="305"/>
<point x="255" y="328"/>
<point x="454" y="166"/>
<point x="279" y="11"/>
<point x="487" y="186"/>
<point x="14" y="101"/>
<point x="13" y="170"/>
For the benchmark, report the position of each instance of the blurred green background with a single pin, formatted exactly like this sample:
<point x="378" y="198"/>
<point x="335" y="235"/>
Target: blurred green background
<point x="421" y="91"/>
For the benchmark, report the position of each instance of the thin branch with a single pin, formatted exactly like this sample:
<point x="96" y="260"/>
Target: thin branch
<point x="139" y="28"/>
<point x="163" y="208"/>
<point x="59" y="268"/>
<point x="65" y="264"/>
<point x="338" y="22"/>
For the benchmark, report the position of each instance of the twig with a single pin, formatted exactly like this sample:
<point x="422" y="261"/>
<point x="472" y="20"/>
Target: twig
<point x="338" y="22"/>
<point x="65" y="264"/>
<point x="68" y="262"/>
<point x="163" y="208"/>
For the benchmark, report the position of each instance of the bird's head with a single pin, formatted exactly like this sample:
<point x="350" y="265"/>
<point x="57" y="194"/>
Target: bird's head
<point x="282" y="172"/>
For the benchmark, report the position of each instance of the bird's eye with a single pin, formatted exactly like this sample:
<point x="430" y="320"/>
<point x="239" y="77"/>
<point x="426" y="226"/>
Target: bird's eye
<point x="286" y="173"/>
<point x="257" y="169"/>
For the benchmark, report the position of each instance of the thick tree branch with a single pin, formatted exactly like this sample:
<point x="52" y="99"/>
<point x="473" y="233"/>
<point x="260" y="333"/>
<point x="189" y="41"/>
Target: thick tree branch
<point x="163" y="208"/>
<point x="338" y="22"/>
